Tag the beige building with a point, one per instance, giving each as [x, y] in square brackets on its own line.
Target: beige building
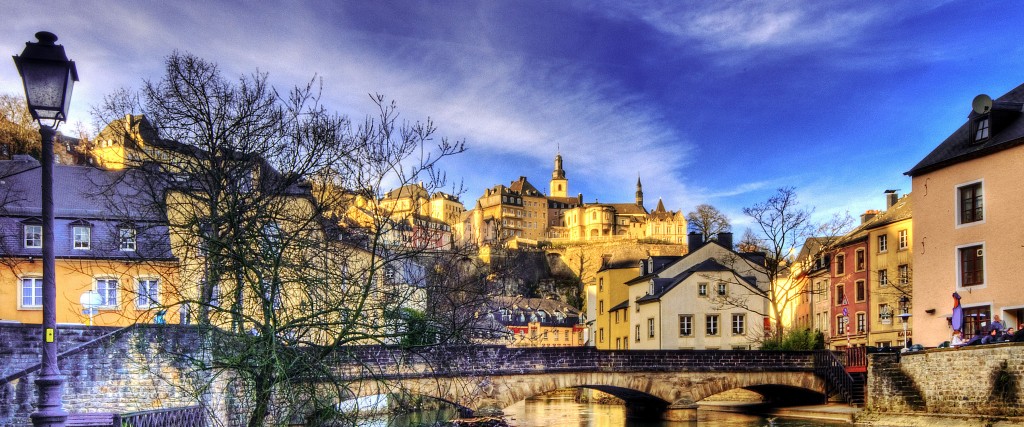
[890, 258]
[700, 301]
[967, 200]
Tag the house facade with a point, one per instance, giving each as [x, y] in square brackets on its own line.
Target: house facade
[123, 256]
[704, 300]
[967, 201]
[890, 256]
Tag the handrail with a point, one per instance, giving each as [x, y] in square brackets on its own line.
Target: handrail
[189, 416]
[827, 366]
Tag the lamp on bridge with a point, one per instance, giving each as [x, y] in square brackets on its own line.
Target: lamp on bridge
[904, 316]
[48, 77]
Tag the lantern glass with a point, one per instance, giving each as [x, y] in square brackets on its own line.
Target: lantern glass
[48, 87]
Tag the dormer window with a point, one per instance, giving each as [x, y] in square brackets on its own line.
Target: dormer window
[981, 128]
[81, 235]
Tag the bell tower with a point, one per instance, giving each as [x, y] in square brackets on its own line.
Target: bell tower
[559, 184]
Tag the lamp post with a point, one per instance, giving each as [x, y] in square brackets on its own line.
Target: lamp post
[48, 76]
[905, 315]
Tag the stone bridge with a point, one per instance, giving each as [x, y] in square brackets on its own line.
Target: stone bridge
[486, 379]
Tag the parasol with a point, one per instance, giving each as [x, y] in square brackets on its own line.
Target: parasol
[958, 313]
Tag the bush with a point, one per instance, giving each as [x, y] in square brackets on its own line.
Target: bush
[799, 339]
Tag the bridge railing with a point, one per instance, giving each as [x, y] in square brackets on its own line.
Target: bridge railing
[837, 380]
[191, 416]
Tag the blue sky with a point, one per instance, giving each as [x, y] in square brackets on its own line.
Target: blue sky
[708, 102]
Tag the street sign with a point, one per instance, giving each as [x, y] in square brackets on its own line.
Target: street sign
[846, 312]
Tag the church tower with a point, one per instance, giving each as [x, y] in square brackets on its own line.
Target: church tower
[639, 192]
[559, 185]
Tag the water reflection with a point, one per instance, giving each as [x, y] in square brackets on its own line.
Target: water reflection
[561, 410]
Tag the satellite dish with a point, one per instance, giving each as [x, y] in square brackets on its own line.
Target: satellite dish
[982, 104]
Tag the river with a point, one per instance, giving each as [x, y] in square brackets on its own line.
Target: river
[561, 410]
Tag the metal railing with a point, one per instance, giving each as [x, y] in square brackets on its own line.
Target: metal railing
[837, 380]
[191, 416]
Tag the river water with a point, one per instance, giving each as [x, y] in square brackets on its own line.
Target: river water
[561, 410]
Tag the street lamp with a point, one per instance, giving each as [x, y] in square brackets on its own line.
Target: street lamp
[905, 315]
[48, 76]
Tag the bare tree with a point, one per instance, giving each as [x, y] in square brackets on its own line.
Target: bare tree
[708, 221]
[781, 225]
[19, 133]
[265, 258]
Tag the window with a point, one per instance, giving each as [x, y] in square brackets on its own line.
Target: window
[904, 274]
[981, 128]
[971, 203]
[840, 264]
[841, 326]
[685, 325]
[566, 335]
[600, 334]
[33, 236]
[972, 265]
[861, 323]
[721, 289]
[600, 284]
[616, 316]
[650, 327]
[702, 289]
[31, 292]
[107, 288]
[637, 334]
[883, 243]
[600, 307]
[739, 324]
[903, 240]
[885, 314]
[148, 293]
[618, 343]
[859, 288]
[126, 237]
[859, 260]
[883, 278]
[711, 324]
[81, 237]
[840, 297]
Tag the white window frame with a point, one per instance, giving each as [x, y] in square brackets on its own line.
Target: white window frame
[650, 327]
[883, 278]
[104, 302]
[127, 239]
[153, 295]
[702, 289]
[883, 243]
[984, 266]
[957, 217]
[686, 325]
[81, 237]
[37, 238]
[712, 325]
[723, 289]
[739, 323]
[36, 280]
[904, 239]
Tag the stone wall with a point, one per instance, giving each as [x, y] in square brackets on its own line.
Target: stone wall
[138, 369]
[977, 380]
[20, 343]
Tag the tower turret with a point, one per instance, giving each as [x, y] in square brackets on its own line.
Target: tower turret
[639, 192]
[559, 184]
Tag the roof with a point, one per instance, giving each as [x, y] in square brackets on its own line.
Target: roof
[958, 148]
[620, 306]
[407, 191]
[662, 286]
[523, 187]
[620, 263]
[627, 208]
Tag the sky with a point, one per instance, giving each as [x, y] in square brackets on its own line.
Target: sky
[717, 102]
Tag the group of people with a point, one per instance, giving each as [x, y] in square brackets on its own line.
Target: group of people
[994, 333]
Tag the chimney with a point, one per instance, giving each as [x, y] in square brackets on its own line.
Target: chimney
[694, 241]
[725, 239]
[867, 215]
[891, 196]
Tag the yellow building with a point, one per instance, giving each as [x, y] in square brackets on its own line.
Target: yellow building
[538, 322]
[126, 259]
[520, 212]
[967, 201]
[611, 321]
[890, 249]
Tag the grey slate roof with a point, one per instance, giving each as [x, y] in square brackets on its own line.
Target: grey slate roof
[958, 147]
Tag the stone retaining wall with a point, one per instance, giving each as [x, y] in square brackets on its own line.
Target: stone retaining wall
[983, 380]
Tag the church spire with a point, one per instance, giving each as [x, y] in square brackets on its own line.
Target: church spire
[639, 192]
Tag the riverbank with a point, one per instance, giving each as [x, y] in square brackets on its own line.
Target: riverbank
[830, 412]
[860, 417]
